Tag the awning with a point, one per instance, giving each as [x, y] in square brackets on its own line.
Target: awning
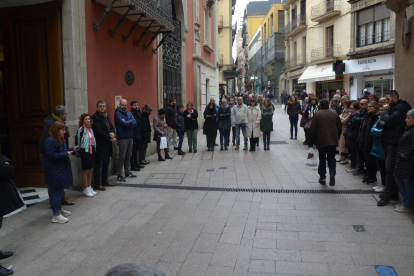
[322, 72]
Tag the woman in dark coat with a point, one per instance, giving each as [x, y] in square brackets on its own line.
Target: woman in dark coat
[10, 200]
[224, 124]
[191, 126]
[179, 127]
[210, 125]
[403, 172]
[58, 171]
[145, 133]
[266, 123]
[293, 111]
[371, 164]
[351, 135]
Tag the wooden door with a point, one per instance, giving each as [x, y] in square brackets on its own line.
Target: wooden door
[32, 37]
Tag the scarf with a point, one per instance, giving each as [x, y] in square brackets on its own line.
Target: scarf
[191, 111]
[105, 119]
[224, 107]
[292, 103]
[312, 110]
[87, 140]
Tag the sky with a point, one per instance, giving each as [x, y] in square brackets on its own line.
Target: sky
[238, 15]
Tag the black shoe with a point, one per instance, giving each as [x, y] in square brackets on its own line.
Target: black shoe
[371, 181]
[141, 166]
[135, 169]
[168, 156]
[195, 151]
[5, 271]
[5, 255]
[305, 143]
[291, 138]
[252, 149]
[322, 181]
[383, 201]
[358, 173]
[145, 161]
[160, 158]
[175, 148]
[332, 180]
[208, 149]
[181, 152]
[190, 150]
[142, 163]
[221, 148]
[296, 138]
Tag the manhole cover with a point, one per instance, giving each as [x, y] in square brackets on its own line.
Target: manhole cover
[359, 228]
[277, 142]
[385, 271]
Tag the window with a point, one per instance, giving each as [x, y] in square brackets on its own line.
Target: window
[207, 27]
[373, 25]
[329, 41]
[280, 21]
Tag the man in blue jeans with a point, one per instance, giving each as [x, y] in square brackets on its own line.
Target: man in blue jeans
[105, 135]
[238, 114]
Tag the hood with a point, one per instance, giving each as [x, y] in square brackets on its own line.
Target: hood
[118, 109]
[49, 119]
[403, 103]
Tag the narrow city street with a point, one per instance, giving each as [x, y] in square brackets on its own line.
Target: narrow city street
[293, 226]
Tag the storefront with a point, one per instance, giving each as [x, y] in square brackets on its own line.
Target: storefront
[375, 74]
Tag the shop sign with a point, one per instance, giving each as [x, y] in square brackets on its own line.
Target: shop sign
[369, 64]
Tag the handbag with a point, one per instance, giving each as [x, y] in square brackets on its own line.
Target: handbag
[157, 136]
[308, 123]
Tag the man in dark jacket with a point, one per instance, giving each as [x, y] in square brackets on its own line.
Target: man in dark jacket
[171, 110]
[124, 123]
[135, 166]
[59, 114]
[104, 133]
[303, 96]
[10, 200]
[393, 122]
[358, 118]
[145, 133]
[324, 132]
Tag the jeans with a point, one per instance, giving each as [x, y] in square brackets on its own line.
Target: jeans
[383, 171]
[390, 185]
[294, 123]
[181, 139]
[211, 140]
[324, 154]
[104, 164]
[407, 190]
[142, 151]
[233, 131]
[224, 137]
[134, 157]
[125, 152]
[354, 157]
[50, 191]
[266, 138]
[57, 200]
[172, 135]
[243, 128]
[192, 138]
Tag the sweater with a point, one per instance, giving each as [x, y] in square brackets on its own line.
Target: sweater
[239, 114]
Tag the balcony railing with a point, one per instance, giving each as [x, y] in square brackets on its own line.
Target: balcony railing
[298, 60]
[220, 60]
[325, 52]
[220, 22]
[295, 24]
[325, 10]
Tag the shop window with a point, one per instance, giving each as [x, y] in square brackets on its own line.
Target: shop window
[373, 25]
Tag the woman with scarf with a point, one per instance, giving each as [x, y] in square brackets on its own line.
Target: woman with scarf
[253, 117]
[191, 126]
[86, 140]
[351, 135]
[310, 111]
[370, 162]
[210, 125]
[224, 124]
[266, 123]
[343, 159]
[293, 111]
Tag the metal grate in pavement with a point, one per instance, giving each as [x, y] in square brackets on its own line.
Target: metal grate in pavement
[359, 228]
[274, 191]
[278, 142]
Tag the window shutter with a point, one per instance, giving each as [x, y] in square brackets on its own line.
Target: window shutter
[381, 12]
[365, 16]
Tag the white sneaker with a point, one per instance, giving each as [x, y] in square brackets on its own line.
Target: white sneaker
[340, 158]
[351, 170]
[92, 191]
[87, 193]
[65, 213]
[59, 219]
[345, 161]
[403, 209]
[376, 187]
[380, 189]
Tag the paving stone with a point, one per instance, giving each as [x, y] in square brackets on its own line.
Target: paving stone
[302, 268]
[195, 264]
[225, 255]
[326, 257]
[275, 255]
[262, 266]
[218, 271]
[206, 243]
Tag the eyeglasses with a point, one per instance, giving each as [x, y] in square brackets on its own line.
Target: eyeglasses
[370, 106]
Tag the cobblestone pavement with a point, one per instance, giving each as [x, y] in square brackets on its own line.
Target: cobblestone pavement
[189, 232]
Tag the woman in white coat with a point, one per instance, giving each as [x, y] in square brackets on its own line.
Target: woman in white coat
[253, 117]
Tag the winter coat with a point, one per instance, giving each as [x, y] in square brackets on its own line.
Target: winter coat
[239, 114]
[224, 117]
[170, 112]
[210, 125]
[145, 127]
[368, 139]
[158, 125]
[377, 148]
[394, 120]
[232, 117]
[357, 121]
[337, 109]
[137, 128]
[179, 122]
[124, 124]
[303, 96]
[351, 132]
[308, 112]
[325, 129]
[191, 123]
[404, 156]
[344, 121]
[101, 132]
[302, 112]
[10, 199]
[253, 117]
[362, 131]
[57, 168]
[293, 110]
[266, 123]
[47, 123]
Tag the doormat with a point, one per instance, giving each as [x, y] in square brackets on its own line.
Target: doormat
[385, 271]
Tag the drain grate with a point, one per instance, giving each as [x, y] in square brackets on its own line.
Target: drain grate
[278, 142]
[359, 228]
[237, 190]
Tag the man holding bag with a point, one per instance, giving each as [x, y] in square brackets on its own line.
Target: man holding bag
[324, 132]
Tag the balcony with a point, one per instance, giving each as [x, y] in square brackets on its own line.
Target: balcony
[220, 22]
[220, 60]
[325, 10]
[295, 61]
[324, 53]
[286, 4]
[295, 26]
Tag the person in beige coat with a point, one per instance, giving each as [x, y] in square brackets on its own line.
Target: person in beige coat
[343, 151]
[253, 117]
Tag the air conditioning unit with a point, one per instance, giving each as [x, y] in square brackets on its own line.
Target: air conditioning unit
[410, 13]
